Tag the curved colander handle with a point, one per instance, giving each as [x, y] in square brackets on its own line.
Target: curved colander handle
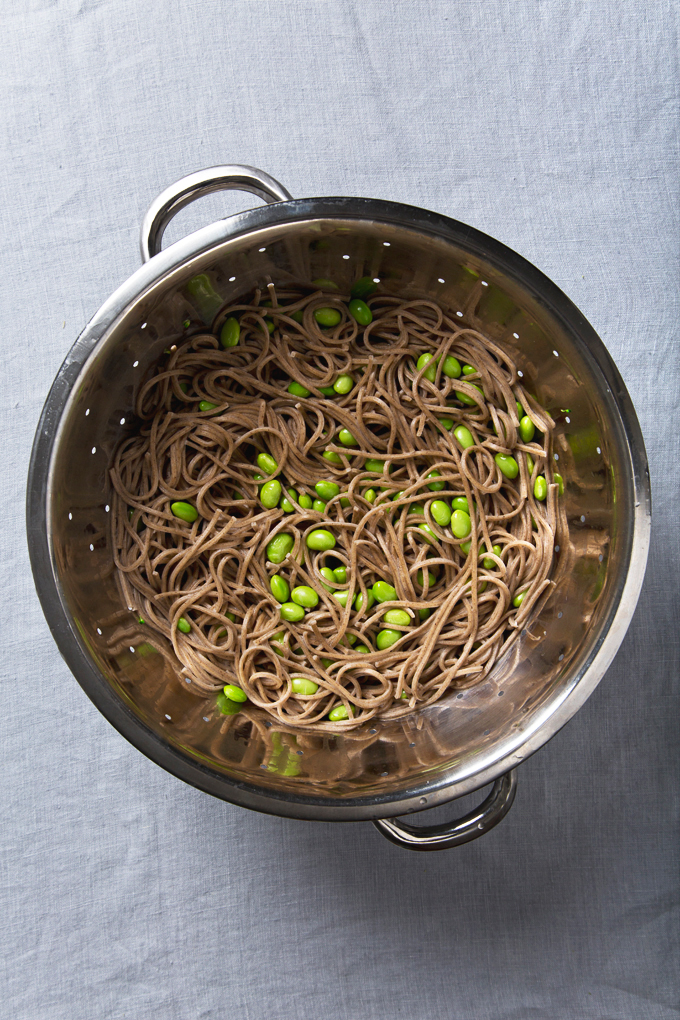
[203, 182]
[472, 825]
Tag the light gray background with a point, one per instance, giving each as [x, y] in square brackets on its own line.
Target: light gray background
[553, 127]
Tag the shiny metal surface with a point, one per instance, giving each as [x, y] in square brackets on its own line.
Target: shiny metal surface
[468, 739]
[463, 830]
[196, 185]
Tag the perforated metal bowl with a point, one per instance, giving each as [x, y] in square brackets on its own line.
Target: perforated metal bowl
[469, 738]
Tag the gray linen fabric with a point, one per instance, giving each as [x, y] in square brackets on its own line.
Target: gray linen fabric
[553, 127]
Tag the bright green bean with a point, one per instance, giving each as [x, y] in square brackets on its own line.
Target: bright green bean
[431, 372]
[464, 436]
[560, 482]
[319, 505]
[266, 463]
[279, 547]
[230, 616]
[183, 625]
[384, 592]
[386, 638]
[374, 465]
[359, 600]
[428, 531]
[362, 649]
[292, 612]
[451, 367]
[269, 323]
[298, 315]
[397, 616]
[339, 712]
[340, 574]
[326, 490]
[530, 464]
[327, 391]
[441, 512]
[487, 562]
[518, 599]
[507, 465]
[446, 423]
[270, 494]
[343, 384]
[279, 587]
[327, 662]
[342, 597]
[301, 685]
[435, 486]
[305, 501]
[297, 389]
[328, 574]
[461, 526]
[360, 311]
[540, 488]
[332, 457]
[321, 539]
[460, 503]
[206, 405]
[346, 438]
[185, 512]
[305, 596]
[527, 429]
[230, 333]
[226, 705]
[466, 399]
[431, 579]
[327, 317]
[370, 495]
[235, 693]
[364, 288]
[469, 369]
[286, 504]
[424, 613]
[465, 547]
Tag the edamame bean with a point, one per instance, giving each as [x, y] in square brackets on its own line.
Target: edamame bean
[342, 597]
[360, 311]
[230, 333]
[520, 410]
[338, 713]
[340, 574]
[278, 639]
[305, 596]
[460, 503]
[507, 465]
[488, 563]
[327, 490]
[465, 547]
[346, 438]
[530, 464]
[441, 512]
[446, 423]
[370, 495]
[359, 600]
[466, 399]
[416, 508]
[351, 639]
[297, 389]
[540, 488]
[292, 612]
[267, 463]
[431, 372]
[286, 504]
[301, 685]
[384, 592]
[279, 547]
[451, 367]
[323, 283]
[397, 616]
[327, 317]
[435, 486]
[386, 638]
[270, 494]
[423, 613]
[560, 483]
[321, 539]
[464, 436]
[364, 288]
[343, 384]
[518, 599]
[183, 625]
[327, 391]
[185, 512]
[326, 663]
[431, 579]
[461, 525]
[184, 387]
[527, 429]
[332, 457]
[298, 315]
[428, 531]
[235, 693]
[469, 370]
[363, 649]
[374, 465]
[328, 574]
[279, 587]
[305, 501]
[206, 405]
[319, 505]
[226, 705]
[269, 323]
[230, 616]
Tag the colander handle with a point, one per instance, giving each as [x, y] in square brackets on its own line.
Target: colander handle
[472, 825]
[203, 182]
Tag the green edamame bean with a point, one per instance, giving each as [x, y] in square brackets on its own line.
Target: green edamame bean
[451, 367]
[270, 494]
[322, 282]
[384, 592]
[527, 429]
[431, 579]
[423, 613]
[461, 525]
[305, 596]
[340, 574]
[297, 389]
[279, 587]
[359, 600]
[327, 490]
[278, 640]
[464, 436]
[370, 495]
[465, 547]
[269, 323]
[319, 505]
[301, 685]
[397, 616]
[327, 391]
[507, 465]
[298, 315]
[327, 317]
[428, 531]
[328, 574]
[540, 488]
[292, 612]
[279, 547]
[386, 638]
[266, 463]
[183, 625]
[321, 539]
[446, 423]
[466, 398]
[363, 649]
[435, 486]
[226, 705]
[520, 410]
[469, 370]
[338, 713]
[343, 384]
[184, 387]
[230, 616]
[305, 501]
[460, 503]
[230, 333]
[346, 438]
[374, 465]
[481, 588]
[235, 693]
[327, 662]
[360, 311]
[332, 457]
[206, 405]
[416, 508]
[441, 512]
[518, 599]
[286, 504]
[185, 512]
[560, 483]
[431, 372]
[351, 639]
[364, 288]
[488, 563]
[342, 597]
[530, 464]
